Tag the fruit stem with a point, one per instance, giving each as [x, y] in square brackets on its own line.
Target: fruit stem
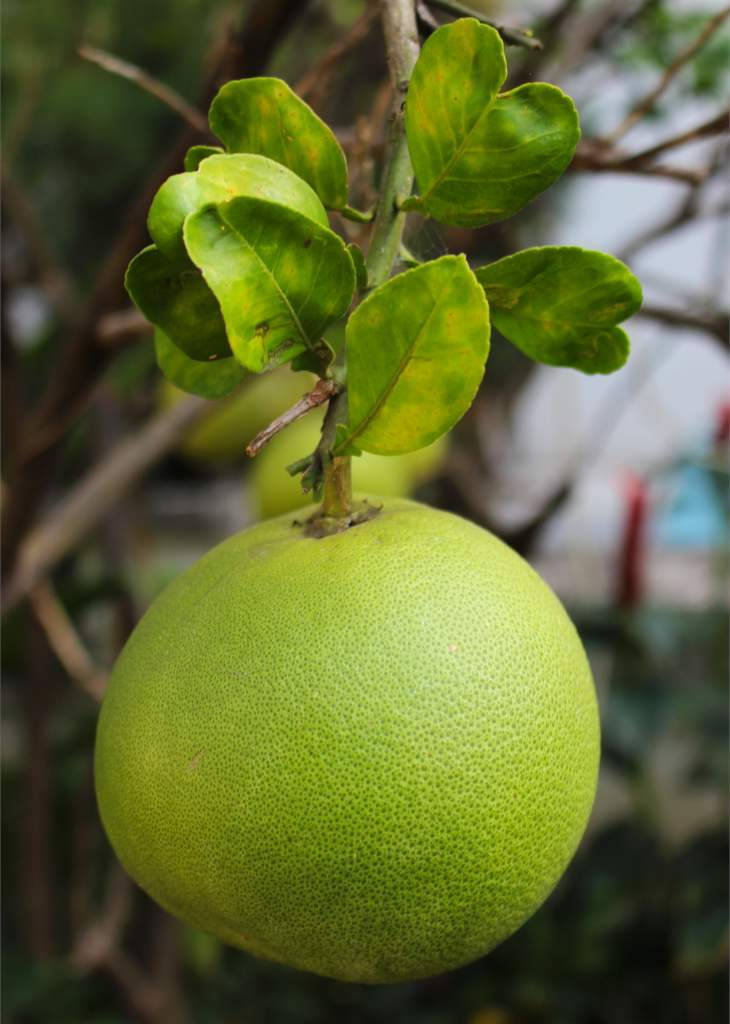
[337, 497]
[337, 494]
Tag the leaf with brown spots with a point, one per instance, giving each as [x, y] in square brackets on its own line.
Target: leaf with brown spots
[560, 305]
[263, 115]
[416, 349]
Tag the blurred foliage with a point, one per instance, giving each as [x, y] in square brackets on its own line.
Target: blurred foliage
[79, 138]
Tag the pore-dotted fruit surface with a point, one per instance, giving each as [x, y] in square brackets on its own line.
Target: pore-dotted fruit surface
[370, 756]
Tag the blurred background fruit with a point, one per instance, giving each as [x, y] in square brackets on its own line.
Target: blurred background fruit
[223, 435]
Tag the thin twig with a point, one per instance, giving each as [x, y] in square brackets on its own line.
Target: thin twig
[98, 948]
[714, 322]
[117, 328]
[322, 391]
[686, 211]
[647, 102]
[592, 156]
[511, 36]
[81, 509]
[116, 66]
[57, 283]
[243, 52]
[714, 126]
[313, 85]
[66, 642]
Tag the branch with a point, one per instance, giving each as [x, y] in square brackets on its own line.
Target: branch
[685, 212]
[57, 283]
[402, 48]
[714, 323]
[322, 391]
[313, 85]
[117, 328]
[714, 126]
[97, 493]
[84, 359]
[511, 36]
[645, 105]
[591, 155]
[65, 641]
[145, 81]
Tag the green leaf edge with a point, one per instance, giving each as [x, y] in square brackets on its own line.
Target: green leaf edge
[337, 202]
[635, 286]
[343, 443]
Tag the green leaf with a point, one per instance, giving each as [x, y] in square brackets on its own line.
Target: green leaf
[361, 271]
[560, 305]
[209, 380]
[173, 296]
[218, 179]
[249, 174]
[416, 349]
[280, 278]
[263, 115]
[479, 157]
[196, 154]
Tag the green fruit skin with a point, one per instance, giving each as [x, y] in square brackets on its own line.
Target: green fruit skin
[276, 492]
[370, 756]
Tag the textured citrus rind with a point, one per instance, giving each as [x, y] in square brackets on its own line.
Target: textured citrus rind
[370, 755]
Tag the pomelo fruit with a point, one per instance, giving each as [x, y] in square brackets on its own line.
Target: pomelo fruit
[369, 755]
[276, 492]
[223, 435]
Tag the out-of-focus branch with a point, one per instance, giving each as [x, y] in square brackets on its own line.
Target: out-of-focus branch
[592, 156]
[93, 497]
[116, 66]
[686, 211]
[714, 126]
[647, 102]
[65, 641]
[98, 947]
[117, 328]
[714, 323]
[313, 85]
[244, 53]
[58, 285]
[511, 36]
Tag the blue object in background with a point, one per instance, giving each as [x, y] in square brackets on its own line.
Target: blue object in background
[694, 513]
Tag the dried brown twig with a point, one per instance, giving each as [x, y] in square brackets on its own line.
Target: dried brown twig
[322, 391]
[116, 66]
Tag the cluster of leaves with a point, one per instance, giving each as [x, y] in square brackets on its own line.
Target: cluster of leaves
[245, 273]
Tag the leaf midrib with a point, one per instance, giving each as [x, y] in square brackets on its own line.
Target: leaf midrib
[298, 324]
[387, 391]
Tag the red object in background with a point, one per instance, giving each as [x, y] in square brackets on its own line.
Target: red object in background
[632, 552]
[722, 427]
